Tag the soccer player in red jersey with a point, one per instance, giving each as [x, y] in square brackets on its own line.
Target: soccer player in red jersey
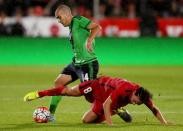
[109, 95]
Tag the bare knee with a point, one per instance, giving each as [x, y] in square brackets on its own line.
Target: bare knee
[62, 80]
[89, 117]
[58, 83]
[86, 121]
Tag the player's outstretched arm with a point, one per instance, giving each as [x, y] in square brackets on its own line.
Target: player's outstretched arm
[95, 29]
[107, 112]
[157, 113]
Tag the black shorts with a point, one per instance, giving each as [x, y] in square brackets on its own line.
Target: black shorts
[84, 72]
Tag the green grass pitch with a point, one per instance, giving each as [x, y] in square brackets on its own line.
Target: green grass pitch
[165, 82]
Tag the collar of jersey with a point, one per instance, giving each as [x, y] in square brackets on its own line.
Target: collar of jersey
[73, 21]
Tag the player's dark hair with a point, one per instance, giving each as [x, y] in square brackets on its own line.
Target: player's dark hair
[144, 94]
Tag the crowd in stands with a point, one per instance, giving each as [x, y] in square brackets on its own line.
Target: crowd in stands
[107, 8]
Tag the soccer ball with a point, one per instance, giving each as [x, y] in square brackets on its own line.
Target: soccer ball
[41, 115]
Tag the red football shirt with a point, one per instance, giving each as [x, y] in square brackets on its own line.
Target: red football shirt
[103, 87]
[120, 91]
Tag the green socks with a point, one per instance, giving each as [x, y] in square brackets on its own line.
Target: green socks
[54, 103]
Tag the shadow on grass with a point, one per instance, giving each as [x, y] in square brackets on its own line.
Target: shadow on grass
[33, 126]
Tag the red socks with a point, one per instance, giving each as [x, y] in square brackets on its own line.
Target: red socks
[52, 92]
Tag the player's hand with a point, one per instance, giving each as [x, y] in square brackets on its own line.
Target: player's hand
[170, 123]
[89, 45]
[109, 123]
[167, 123]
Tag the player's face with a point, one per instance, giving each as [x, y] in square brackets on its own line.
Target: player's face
[135, 99]
[61, 18]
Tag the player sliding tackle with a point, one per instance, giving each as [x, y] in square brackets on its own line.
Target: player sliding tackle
[109, 95]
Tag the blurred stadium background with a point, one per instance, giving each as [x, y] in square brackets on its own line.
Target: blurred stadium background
[141, 40]
[119, 18]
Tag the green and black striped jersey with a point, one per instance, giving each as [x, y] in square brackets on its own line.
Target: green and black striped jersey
[78, 38]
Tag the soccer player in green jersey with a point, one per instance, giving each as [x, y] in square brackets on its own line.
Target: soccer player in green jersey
[84, 65]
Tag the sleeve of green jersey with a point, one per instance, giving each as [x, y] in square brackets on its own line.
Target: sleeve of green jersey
[84, 22]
